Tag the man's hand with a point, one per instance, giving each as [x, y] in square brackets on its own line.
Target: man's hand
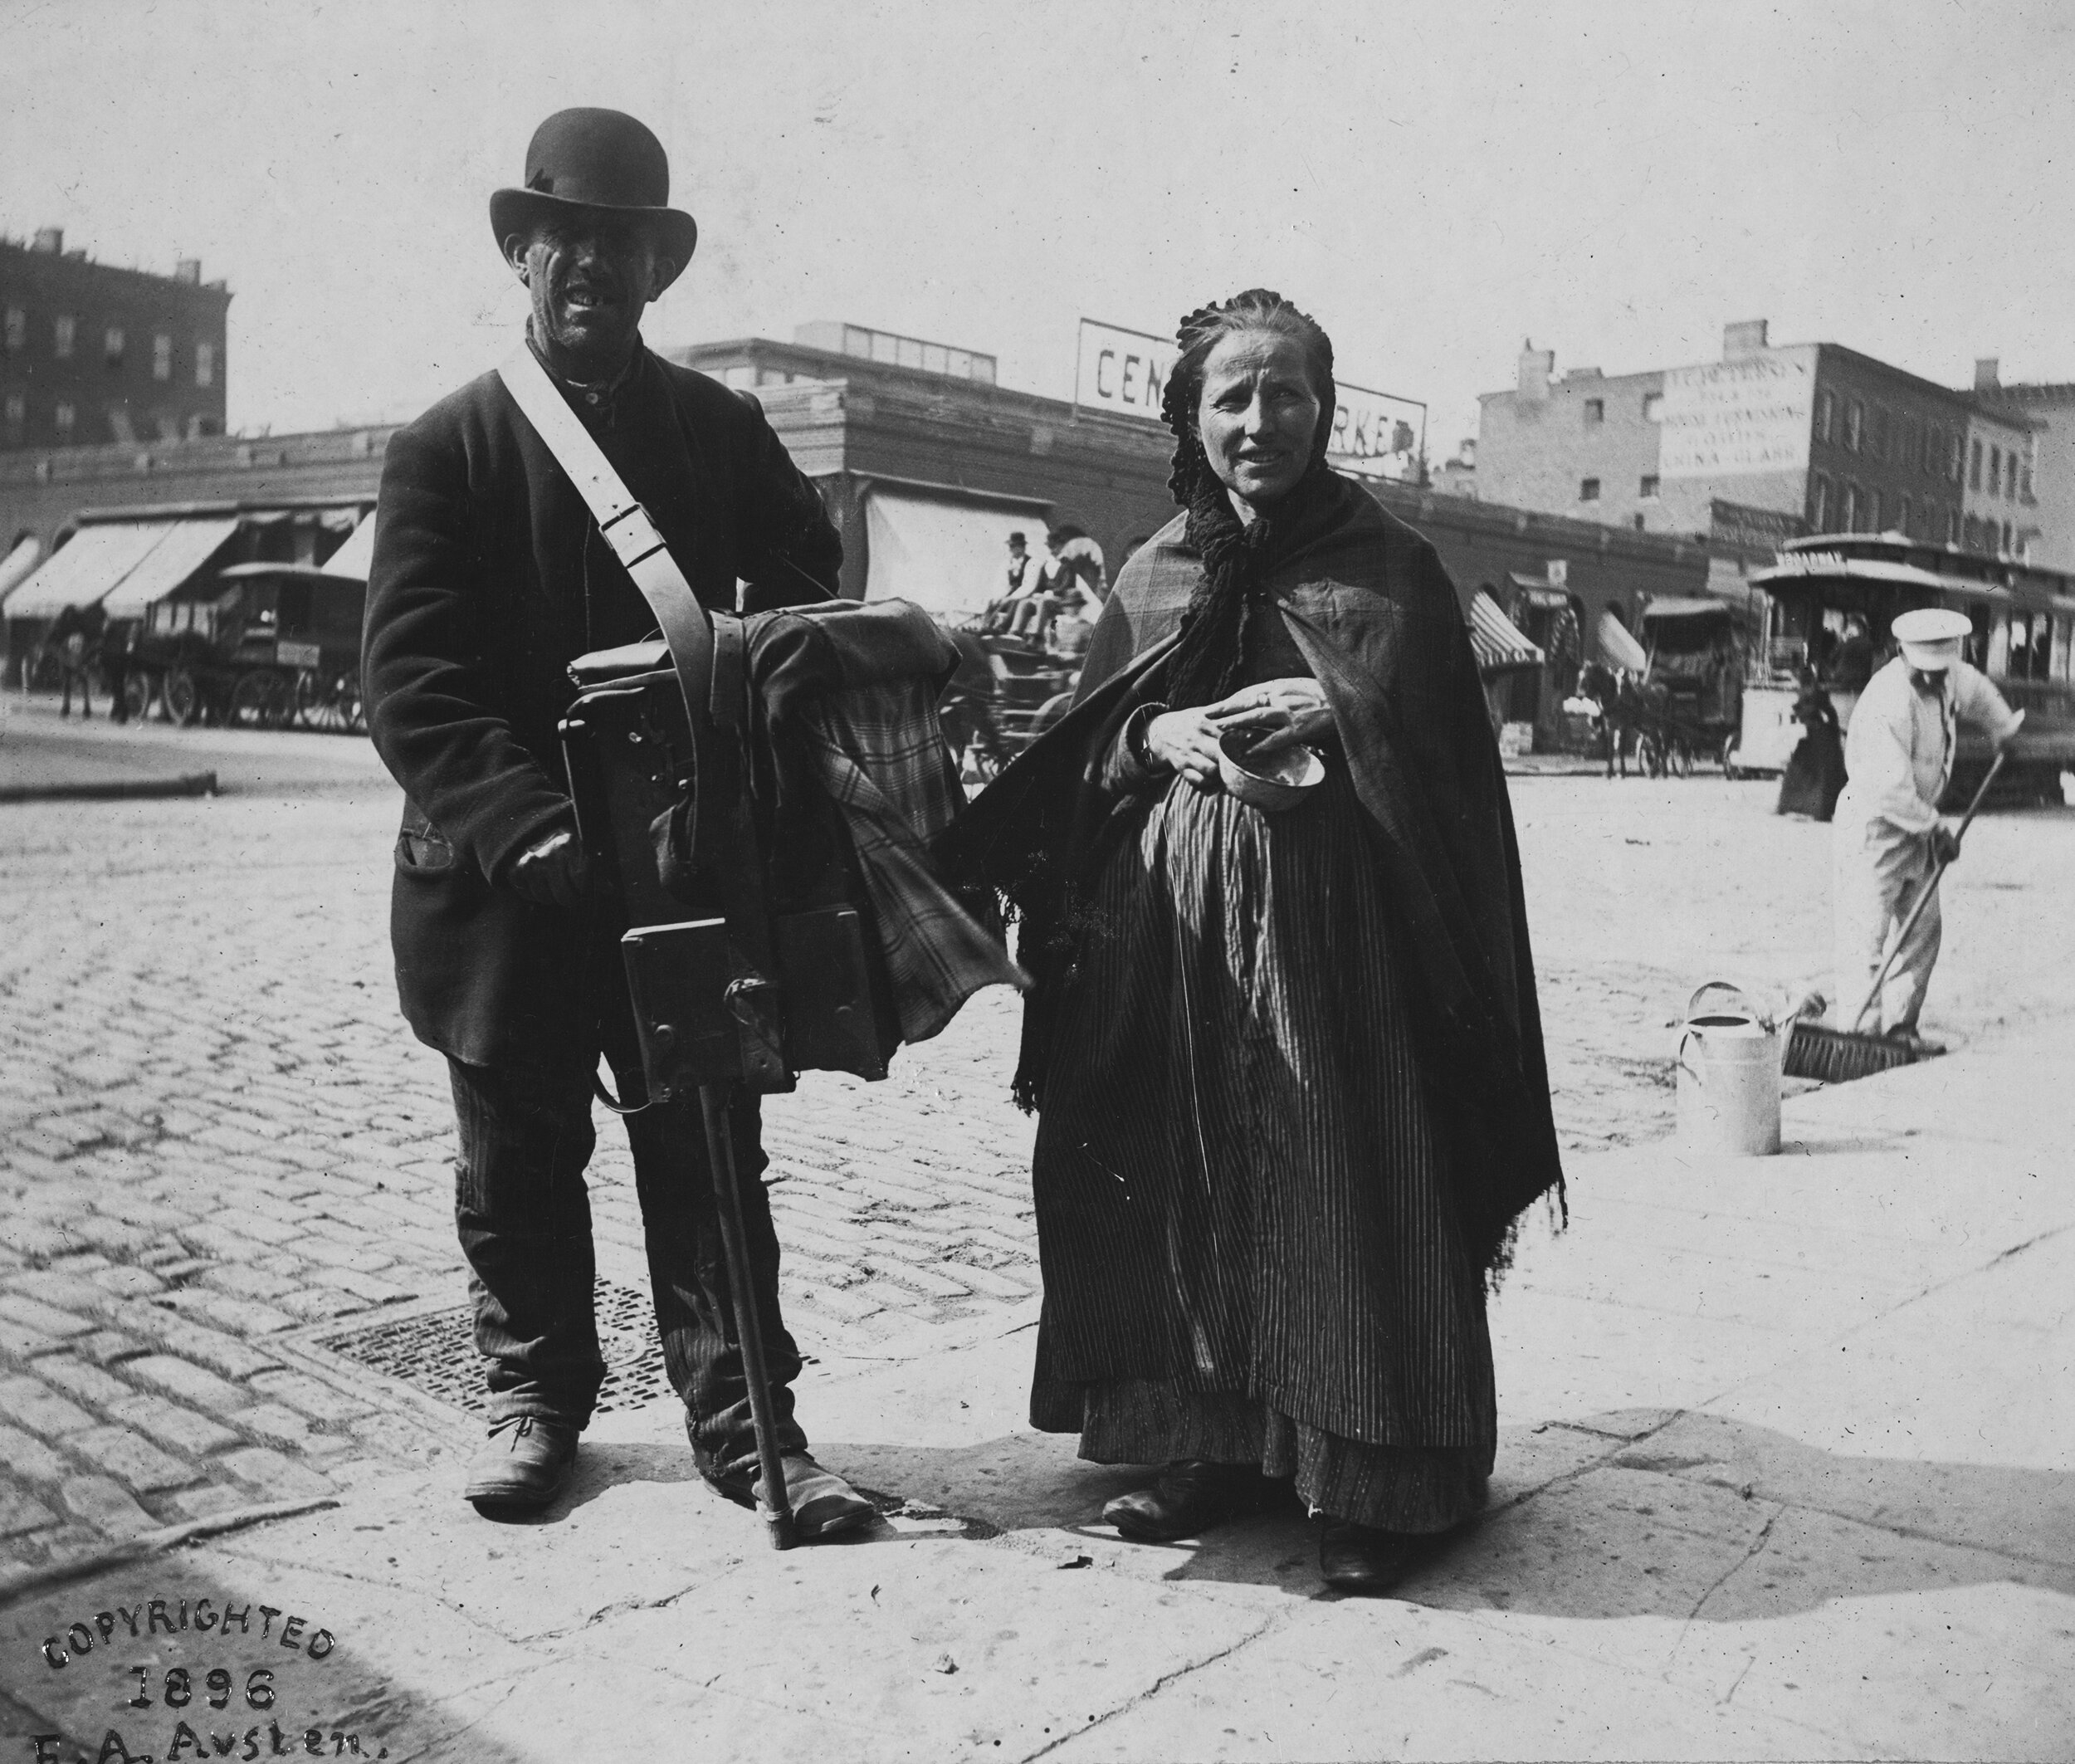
[552, 873]
[1284, 711]
[1945, 844]
[1186, 742]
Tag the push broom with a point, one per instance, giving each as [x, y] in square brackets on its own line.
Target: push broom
[1837, 1056]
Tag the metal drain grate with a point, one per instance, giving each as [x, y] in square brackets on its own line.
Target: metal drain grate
[435, 1352]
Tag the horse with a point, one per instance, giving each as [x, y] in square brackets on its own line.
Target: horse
[1622, 705]
[74, 639]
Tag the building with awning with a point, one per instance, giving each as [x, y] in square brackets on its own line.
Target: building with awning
[1496, 641]
[19, 565]
[84, 571]
[356, 557]
[945, 550]
[125, 561]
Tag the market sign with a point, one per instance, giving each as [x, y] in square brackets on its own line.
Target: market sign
[1377, 436]
[1736, 418]
[1124, 372]
[1121, 371]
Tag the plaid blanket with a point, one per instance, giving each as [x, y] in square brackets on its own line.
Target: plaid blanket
[881, 754]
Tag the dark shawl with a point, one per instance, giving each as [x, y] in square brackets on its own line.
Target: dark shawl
[1392, 653]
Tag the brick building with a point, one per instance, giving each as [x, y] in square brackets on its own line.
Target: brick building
[2043, 495]
[92, 354]
[926, 467]
[1815, 432]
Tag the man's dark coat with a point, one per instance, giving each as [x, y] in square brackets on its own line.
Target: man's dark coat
[489, 577]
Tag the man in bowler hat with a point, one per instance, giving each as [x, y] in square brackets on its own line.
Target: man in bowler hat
[489, 577]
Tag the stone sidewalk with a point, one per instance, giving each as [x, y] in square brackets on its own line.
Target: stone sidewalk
[224, 1183]
[1783, 1474]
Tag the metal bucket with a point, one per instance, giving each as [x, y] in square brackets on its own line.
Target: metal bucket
[1728, 1075]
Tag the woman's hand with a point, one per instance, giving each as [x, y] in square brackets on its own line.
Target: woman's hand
[1186, 742]
[1285, 711]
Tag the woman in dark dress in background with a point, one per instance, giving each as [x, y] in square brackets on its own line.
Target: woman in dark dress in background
[1815, 770]
[1289, 1065]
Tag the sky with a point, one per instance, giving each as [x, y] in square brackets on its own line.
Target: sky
[1435, 183]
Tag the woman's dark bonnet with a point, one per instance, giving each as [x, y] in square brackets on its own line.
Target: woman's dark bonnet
[1207, 655]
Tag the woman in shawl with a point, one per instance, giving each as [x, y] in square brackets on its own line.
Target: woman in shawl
[1288, 1066]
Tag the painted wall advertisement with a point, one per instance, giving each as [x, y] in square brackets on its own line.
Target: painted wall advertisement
[1730, 418]
[1375, 433]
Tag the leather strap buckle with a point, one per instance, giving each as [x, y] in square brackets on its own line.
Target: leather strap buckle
[631, 535]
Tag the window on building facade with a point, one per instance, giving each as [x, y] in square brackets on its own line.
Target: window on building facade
[1854, 425]
[2024, 489]
[1596, 410]
[205, 363]
[1877, 433]
[1974, 467]
[1952, 526]
[1646, 487]
[1902, 515]
[1652, 407]
[65, 417]
[1589, 490]
[1954, 449]
[1995, 471]
[63, 330]
[1849, 513]
[1825, 415]
[162, 357]
[17, 414]
[113, 343]
[17, 330]
[1819, 503]
[2008, 538]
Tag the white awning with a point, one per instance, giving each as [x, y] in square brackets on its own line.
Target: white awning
[186, 546]
[1618, 645]
[79, 573]
[20, 561]
[946, 554]
[1495, 640]
[354, 558]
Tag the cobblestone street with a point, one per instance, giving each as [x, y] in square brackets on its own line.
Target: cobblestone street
[222, 1150]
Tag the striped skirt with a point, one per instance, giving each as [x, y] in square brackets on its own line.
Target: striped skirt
[1241, 1176]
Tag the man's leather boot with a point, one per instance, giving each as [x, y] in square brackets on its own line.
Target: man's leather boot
[524, 1465]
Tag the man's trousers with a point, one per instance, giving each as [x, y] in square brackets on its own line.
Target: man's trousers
[1878, 870]
[524, 1216]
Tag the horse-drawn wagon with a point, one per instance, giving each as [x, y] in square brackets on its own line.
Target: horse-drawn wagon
[263, 645]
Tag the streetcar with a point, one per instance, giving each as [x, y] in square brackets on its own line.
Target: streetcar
[1829, 601]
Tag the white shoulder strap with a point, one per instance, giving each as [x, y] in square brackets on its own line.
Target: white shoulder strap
[687, 630]
[623, 520]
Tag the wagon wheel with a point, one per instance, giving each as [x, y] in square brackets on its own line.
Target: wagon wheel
[353, 709]
[258, 701]
[181, 697]
[315, 706]
[137, 696]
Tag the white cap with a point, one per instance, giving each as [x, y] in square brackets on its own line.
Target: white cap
[1930, 637]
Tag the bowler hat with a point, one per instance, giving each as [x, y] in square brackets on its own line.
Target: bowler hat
[602, 160]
